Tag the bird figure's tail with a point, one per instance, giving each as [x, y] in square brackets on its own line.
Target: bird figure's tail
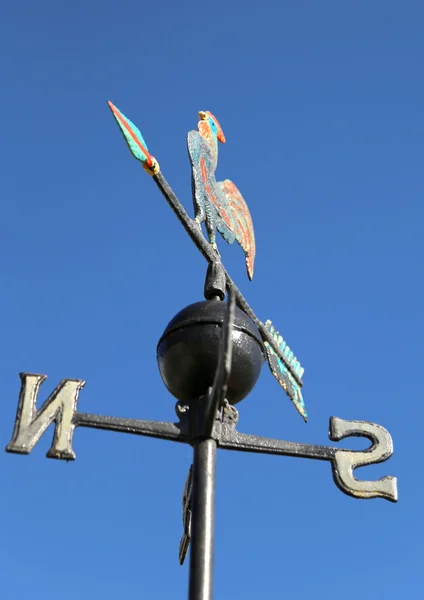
[282, 373]
[240, 220]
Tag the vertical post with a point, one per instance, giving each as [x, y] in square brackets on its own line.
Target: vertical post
[202, 520]
[204, 451]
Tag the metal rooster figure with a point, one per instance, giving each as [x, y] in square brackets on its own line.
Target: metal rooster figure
[221, 207]
[219, 204]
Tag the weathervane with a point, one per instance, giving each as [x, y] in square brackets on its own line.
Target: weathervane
[210, 357]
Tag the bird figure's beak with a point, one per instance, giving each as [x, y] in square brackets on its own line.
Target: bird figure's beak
[203, 115]
[221, 136]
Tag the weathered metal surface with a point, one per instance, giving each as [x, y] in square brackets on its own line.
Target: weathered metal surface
[343, 461]
[30, 423]
[208, 253]
[60, 408]
[219, 391]
[203, 520]
[215, 282]
[175, 432]
[219, 204]
[281, 372]
[189, 349]
[193, 229]
[208, 421]
[135, 141]
[199, 491]
[187, 511]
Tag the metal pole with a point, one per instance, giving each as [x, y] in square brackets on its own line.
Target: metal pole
[202, 521]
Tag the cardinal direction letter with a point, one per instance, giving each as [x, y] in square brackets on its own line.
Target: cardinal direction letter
[30, 423]
[345, 461]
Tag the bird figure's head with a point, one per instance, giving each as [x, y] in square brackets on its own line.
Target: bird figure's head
[212, 124]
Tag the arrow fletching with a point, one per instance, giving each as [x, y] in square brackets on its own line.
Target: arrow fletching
[133, 137]
[282, 373]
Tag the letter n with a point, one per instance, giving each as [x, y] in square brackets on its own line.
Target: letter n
[30, 423]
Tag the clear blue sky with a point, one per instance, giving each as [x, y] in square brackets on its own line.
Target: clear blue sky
[322, 107]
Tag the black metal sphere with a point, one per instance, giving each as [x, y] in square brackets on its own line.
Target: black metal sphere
[188, 351]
